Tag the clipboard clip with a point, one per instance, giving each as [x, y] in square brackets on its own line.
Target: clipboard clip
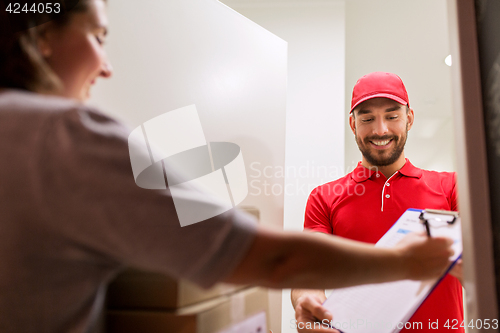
[425, 221]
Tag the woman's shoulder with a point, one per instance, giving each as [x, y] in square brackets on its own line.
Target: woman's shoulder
[34, 107]
[23, 103]
[51, 119]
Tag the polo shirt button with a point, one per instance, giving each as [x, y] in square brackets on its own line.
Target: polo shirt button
[387, 184]
[378, 175]
[387, 196]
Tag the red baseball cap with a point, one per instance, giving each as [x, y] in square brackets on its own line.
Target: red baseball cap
[379, 84]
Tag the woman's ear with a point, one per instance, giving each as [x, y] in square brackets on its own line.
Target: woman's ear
[44, 36]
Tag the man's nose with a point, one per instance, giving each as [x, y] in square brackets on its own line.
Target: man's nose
[380, 128]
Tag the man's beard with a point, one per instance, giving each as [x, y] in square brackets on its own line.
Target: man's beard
[378, 157]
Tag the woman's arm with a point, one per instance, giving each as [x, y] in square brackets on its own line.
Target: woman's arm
[279, 259]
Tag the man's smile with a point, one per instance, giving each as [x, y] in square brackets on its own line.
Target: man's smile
[381, 144]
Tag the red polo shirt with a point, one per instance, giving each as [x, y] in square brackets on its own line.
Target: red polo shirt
[364, 204]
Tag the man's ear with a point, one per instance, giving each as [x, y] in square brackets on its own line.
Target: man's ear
[352, 123]
[45, 34]
[411, 117]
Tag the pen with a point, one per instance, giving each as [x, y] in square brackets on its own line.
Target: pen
[426, 223]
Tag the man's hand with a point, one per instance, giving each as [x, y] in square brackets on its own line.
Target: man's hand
[425, 257]
[309, 311]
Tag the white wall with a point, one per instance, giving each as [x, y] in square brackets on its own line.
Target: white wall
[314, 31]
[169, 54]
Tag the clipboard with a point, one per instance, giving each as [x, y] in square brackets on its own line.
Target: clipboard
[387, 307]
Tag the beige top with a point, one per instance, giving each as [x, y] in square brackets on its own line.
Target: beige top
[72, 217]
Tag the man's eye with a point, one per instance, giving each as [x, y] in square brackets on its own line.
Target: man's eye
[366, 120]
[393, 117]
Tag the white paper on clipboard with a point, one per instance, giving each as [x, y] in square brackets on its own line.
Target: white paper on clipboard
[386, 307]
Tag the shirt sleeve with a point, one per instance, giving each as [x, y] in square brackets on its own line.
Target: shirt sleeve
[90, 197]
[316, 215]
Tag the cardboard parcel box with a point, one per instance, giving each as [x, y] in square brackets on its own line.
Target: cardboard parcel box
[210, 316]
[135, 289]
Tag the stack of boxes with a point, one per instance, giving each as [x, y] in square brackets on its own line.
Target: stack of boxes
[140, 302]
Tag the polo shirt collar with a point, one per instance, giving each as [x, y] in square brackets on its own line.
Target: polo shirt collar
[360, 174]
[409, 170]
